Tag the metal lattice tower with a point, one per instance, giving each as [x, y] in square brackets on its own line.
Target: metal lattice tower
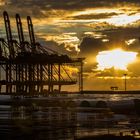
[28, 68]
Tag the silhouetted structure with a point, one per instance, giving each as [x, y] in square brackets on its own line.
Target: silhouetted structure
[27, 67]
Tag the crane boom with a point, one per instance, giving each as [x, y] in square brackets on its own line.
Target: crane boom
[31, 32]
[9, 34]
[20, 29]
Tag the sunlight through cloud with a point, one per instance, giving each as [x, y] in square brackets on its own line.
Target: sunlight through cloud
[118, 59]
[123, 19]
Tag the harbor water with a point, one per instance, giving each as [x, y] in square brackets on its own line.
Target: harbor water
[67, 117]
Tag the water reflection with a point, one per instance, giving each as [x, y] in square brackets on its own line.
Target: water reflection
[38, 123]
[62, 119]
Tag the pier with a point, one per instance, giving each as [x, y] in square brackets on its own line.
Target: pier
[28, 68]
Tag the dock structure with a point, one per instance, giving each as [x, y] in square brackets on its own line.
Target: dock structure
[30, 68]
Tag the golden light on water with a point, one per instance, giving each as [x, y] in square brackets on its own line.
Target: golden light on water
[118, 59]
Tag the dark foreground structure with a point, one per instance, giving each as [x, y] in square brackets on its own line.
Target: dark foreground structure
[108, 137]
[28, 67]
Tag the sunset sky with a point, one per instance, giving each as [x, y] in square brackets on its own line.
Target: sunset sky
[105, 32]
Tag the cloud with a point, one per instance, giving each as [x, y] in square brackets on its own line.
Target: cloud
[36, 8]
[89, 48]
[111, 73]
[89, 25]
[91, 45]
[94, 16]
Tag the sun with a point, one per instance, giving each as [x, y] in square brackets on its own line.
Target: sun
[117, 58]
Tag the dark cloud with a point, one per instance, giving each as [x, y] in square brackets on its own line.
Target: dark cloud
[135, 46]
[35, 7]
[123, 33]
[90, 45]
[70, 4]
[95, 16]
[118, 38]
[89, 48]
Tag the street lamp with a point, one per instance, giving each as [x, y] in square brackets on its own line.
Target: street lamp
[125, 81]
